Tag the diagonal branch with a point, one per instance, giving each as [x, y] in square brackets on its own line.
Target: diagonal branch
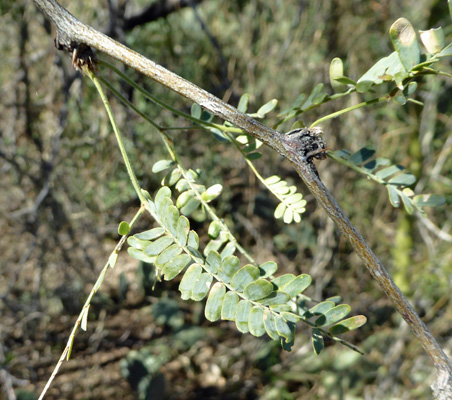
[72, 33]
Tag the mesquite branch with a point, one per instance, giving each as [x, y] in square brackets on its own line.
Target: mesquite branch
[71, 33]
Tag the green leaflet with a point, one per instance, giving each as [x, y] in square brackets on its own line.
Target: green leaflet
[213, 262]
[229, 307]
[258, 290]
[256, 321]
[393, 177]
[182, 230]
[283, 329]
[242, 315]
[188, 281]
[214, 302]
[229, 266]
[317, 341]
[155, 248]
[292, 285]
[175, 266]
[167, 255]
[270, 325]
[333, 315]
[276, 297]
[268, 268]
[245, 275]
[348, 325]
[202, 286]
[139, 255]
[150, 234]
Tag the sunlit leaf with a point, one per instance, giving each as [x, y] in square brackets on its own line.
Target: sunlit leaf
[405, 179]
[270, 325]
[229, 266]
[386, 172]
[429, 200]
[433, 40]
[257, 290]
[167, 255]
[276, 297]
[202, 286]
[162, 165]
[188, 280]
[268, 268]
[175, 266]
[393, 196]
[405, 42]
[215, 301]
[229, 307]
[242, 315]
[336, 71]
[182, 230]
[256, 321]
[245, 275]
[283, 329]
[123, 228]
[348, 325]
[139, 255]
[155, 248]
[150, 234]
[243, 103]
[333, 315]
[267, 107]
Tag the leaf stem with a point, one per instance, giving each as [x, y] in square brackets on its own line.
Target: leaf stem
[84, 313]
[118, 136]
[346, 110]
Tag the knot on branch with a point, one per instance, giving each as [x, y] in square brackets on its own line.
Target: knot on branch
[82, 55]
[307, 144]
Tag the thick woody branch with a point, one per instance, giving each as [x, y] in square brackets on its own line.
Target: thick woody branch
[73, 33]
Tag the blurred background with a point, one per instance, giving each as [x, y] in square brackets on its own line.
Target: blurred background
[64, 190]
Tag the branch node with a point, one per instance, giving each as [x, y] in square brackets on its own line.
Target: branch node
[308, 144]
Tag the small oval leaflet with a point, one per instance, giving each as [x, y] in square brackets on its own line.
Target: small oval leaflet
[276, 297]
[167, 255]
[213, 262]
[182, 230]
[242, 316]
[155, 248]
[214, 302]
[123, 228]
[258, 290]
[270, 325]
[229, 307]
[175, 266]
[268, 268]
[150, 234]
[189, 279]
[201, 287]
[333, 315]
[245, 275]
[229, 267]
[348, 325]
[256, 321]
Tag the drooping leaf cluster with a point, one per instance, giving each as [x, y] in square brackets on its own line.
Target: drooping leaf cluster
[249, 295]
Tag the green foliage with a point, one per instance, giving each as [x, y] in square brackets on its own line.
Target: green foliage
[240, 294]
[392, 176]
